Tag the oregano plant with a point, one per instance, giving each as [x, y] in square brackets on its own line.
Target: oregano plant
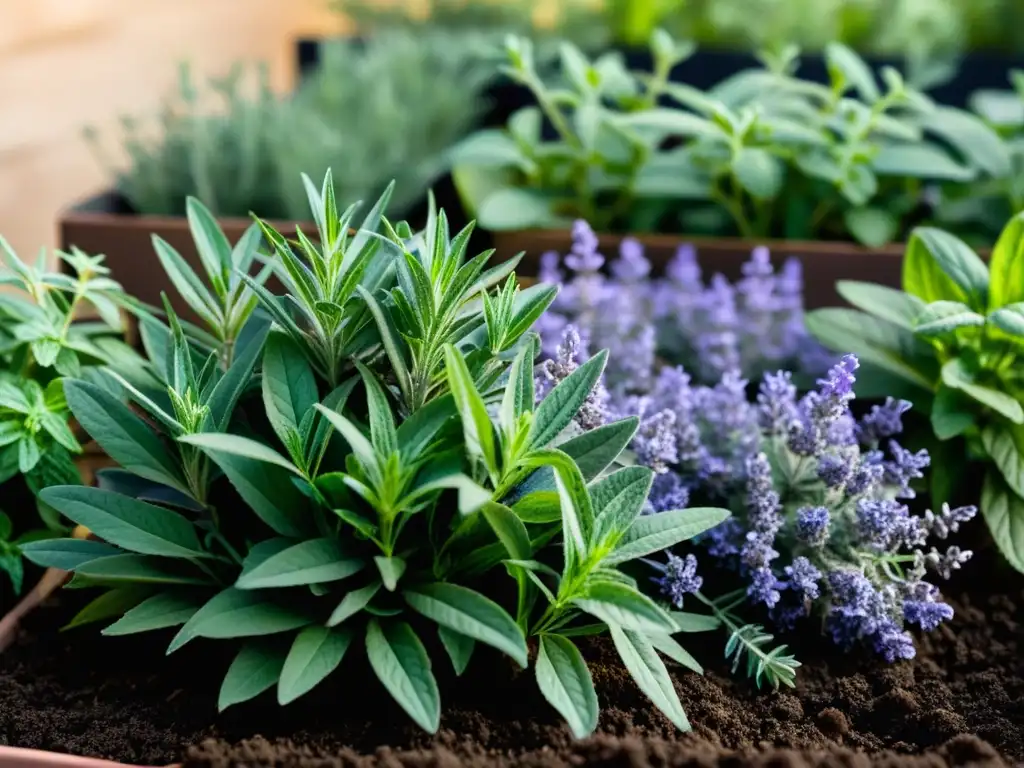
[364, 468]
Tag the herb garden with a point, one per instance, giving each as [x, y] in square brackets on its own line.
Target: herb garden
[609, 419]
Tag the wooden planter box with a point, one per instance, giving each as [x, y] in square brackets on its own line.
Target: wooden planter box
[107, 224]
[823, 262]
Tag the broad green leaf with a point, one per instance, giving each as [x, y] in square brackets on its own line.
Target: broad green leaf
[667, 645]
[956, 375]
[654, 533]
[187, 283]
[316, 652]
[509, 529]
[940, 267]
[66, 554]
[268, 490]
[132, 525]
[618, 500]
[140, 569]
[877, 341]
[111, 603]
[255, 669]
[401, 663]
[471, 614]
[229, 389]
[1010, 319]
[562, 403]
[471, 494]
[361, 447]
[239, 613]
[941, 317]
[694, 622]
[382, 422]
[758, 172]
[124, 437]
[489, 148]
[314, 561]
[418, 431]
[853, 70]
[621, 605]
[952, 413]
[289, 385]
[922, 160]
[577, 510]
[354, 602]
[873, 227]
[458, 647]
[215, 443]
[514, 208]
[211, 244]
[650, 674]
[1006, 266]
[565, 681]
[539, 506]
[162, 610]
[476, 423]
[890, 304]
[1004, 512]
[972, 138]
[519, 391]
[595, 450]
[1003, 444]
[391, 570]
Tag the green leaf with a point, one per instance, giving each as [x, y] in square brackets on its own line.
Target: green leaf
[956, 375]
[132, 525]
[873, 227]
[654, 533]
[1006, 266]
[596, 449]
[238, 613]
[162, 610]
[621, 605]
[650, 674]
[111, 603]
[476, 423]
[401, 663]
[489, 148]
[215, 443]
[972, 138]
[667, 645]
[514, 208]
[1004, 512]
[519, 391]
[418, 431]
[940, 267]
[577, 510]
[889, 304]
[268, 490]
[458, 647]
[124, 437]
[853, 70]
[353, 603]
[361, 447]
[382, 422]
[187, 283]
[941, 317]
[919, 161]
[565, 681]
[391, 570]
[391, 347]
[315, 561]
[316, 652]
[877, 341]
[618, 500]
[1009, 319]
[952, 413]
[211, 244]
[229, 389]
[1003, 444]
[139, 569]
[694, 622]
[289, 385]
[539, 506]
[65, 554]
[255, 669]
[471, 614]
[509, 529]
[758, 172]
[562, 403]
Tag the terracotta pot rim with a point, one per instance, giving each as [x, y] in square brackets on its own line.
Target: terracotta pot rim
[19, 757]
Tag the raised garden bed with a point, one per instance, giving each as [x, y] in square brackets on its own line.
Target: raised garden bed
[961, 701]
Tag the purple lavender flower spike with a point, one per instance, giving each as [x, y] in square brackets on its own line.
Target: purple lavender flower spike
[904, 468]
[834, 470]
[921, 607]
[655, 441]
[584, 256]
[948, 520]
[883, 421]
[667, 493]
[776, 403]
[683, 270]
[803, 577]
[631, 266]
[812, 526]
[679, 578]
[549, 268]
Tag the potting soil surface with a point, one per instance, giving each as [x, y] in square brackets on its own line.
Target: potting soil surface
[960, 701]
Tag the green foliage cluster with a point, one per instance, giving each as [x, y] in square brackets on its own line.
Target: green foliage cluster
[955, 337]
[39, 344]
[363, 460]
[373, 110]
[762, 154]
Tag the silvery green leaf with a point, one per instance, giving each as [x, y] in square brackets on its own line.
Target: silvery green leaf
[650, 673]
[956, 374]
[694, 622]
[476, 422]
[238, 613]
[391, 570]
[618, 500]
[972, 138]
[314, 561]
[940, 317]
[289, 385]
[141, 569]
[565, 681]
[354, 602]
[1006, 266]
[654, 533]
[1003, 511]
[400, 662]
[458, 647]
[870, 226]
[883, 302]
[668, 646]
[920, 161]
[162, 610]
[596, 449]
[315, 653]
[211, 244]
[1009, 319]
[513, 208]
[216, 443]
[854, 69]
[561, 404]
[1003, 443]
[953, 413]
[255, 669]
[65, 554]
[758, 172]
[491, 148]
[620, 605]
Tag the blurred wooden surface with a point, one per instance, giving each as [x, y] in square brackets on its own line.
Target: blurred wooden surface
[65, 64]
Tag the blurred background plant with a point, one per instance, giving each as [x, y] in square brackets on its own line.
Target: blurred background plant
[375, 110]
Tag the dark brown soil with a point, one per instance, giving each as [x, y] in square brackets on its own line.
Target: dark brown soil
[961, 701]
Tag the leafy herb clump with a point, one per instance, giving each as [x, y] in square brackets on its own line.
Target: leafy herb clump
[39, 343]
[365, 468]
[762, 154]
[952, 338]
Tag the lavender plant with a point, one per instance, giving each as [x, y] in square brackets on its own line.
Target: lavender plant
[754, 325]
